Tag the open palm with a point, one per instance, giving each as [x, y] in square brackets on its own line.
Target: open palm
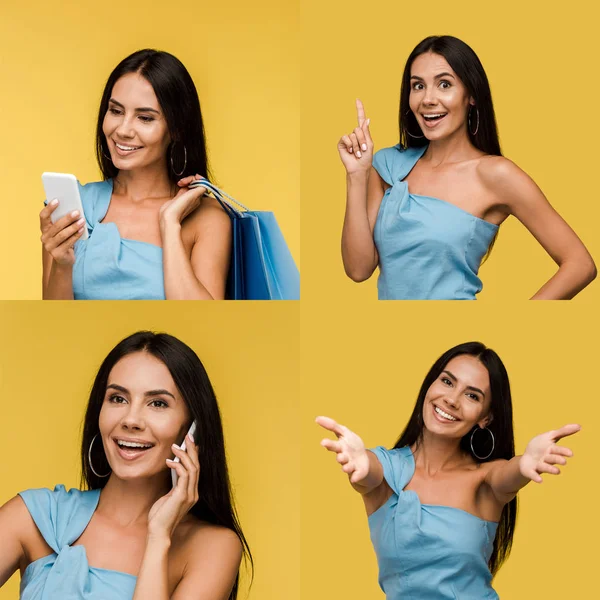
[543, 454]
[349, 448]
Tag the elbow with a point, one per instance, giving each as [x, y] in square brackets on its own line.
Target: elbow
[358, 275]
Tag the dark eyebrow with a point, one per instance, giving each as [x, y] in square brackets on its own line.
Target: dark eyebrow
[439, 76]
[120, 388]
[142, 109]
[469, 387]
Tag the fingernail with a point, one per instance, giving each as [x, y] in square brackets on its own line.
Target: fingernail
[350, 149]
[54, 202]
[368, 121]
[169, 460]
[358, 154]
[75, 213]
[81, 221]
[364, 147]
[176, 446]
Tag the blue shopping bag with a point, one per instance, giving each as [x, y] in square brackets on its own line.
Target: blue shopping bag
[261, 267]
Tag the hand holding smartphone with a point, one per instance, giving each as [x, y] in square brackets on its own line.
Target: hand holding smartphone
[191, 432]
[64, 188]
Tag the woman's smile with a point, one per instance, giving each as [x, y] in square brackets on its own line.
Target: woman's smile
[125, 149]
[442, 416]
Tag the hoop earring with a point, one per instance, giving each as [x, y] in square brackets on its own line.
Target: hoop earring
[90, 460]
[184, 162]
[417, 137]
[473, 133]
[493, 443]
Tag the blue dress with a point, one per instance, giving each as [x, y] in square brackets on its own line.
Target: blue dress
[61, 517]
[426, 551]
[108, 267]
[429, 249]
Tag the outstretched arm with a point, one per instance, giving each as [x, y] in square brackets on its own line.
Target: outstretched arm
[362, 467]
[542, 454]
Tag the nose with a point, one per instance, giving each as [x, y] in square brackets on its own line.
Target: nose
[451, 400]
[133, 420]
[125, 128]
[430, 98]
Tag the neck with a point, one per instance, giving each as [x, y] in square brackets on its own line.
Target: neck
[143, 183]
[454, 148]
[434, 452]
[129, 502]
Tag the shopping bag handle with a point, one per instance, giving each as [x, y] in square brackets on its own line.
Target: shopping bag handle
[226, 201]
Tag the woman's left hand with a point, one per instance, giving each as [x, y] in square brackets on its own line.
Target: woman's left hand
[542, 453]
[168, 511]
[186, 201]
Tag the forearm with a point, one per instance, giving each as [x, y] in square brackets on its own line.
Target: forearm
[359, 253]
[153, 578]
[569, 280]
[373, 479]
[506, 479]
[180, 281]
[60, 283]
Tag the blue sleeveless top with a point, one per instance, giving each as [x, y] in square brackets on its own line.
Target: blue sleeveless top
[61, 517]
[429, 249]
[108, 267]
[426, 551]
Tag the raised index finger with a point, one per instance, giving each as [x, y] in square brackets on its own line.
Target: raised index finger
[566, 430]
[360, 112]
[330, 425]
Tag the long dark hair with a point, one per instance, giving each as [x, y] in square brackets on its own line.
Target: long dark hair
[178, 99]
[501, 426]
[466, 64]
[215, 504]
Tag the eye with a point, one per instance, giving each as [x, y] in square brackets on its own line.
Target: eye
[446, 381]
[116, 399]
[473, 396]
[146, 119]
[444, 84]
[159, 404]
[417, 86]
[114, 111]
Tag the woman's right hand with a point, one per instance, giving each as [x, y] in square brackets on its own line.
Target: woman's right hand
[356, 148]
[59, 238]
[349, 448]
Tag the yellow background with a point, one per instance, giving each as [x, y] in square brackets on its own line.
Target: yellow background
[57, 56]
[366, 373]
[48, 360]
[542, 66]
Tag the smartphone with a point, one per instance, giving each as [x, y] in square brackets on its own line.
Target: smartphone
[65, 189]
[191, 432]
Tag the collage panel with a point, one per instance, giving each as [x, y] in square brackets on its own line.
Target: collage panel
[125, 112]
[495, 180]
[432, 394]
[106, 401]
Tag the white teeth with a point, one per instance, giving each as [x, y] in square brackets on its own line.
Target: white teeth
[126, 147]
[444, 414]
[125, 444]
[434, 116]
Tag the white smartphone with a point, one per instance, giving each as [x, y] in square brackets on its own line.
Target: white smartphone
[64, 188]
[191, 432]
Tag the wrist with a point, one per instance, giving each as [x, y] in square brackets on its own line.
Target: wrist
[169, 225]
[357, 178]
[158, 540]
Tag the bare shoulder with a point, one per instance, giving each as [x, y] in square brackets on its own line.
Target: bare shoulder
[507, 181]
[210, 216]
[200, 540]
[14, 514]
